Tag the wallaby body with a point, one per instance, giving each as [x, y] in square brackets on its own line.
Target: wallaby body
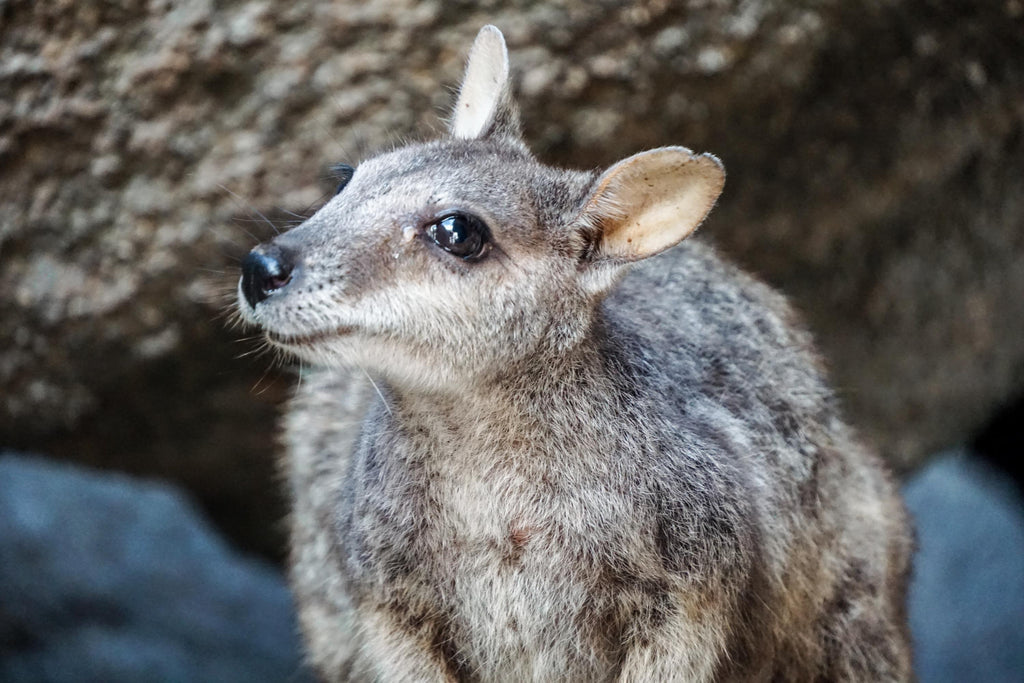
[536, 471]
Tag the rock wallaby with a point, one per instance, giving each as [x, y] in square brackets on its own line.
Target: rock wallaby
[529, 448]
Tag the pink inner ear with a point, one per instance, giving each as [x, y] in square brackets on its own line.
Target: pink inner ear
[653, 200]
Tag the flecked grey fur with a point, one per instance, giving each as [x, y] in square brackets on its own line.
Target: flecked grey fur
[535, 466]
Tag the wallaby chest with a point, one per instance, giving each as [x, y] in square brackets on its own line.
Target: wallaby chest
[509, 550]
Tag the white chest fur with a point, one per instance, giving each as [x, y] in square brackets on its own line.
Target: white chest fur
[528, 582]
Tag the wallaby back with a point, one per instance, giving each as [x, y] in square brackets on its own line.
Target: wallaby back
[523, 457]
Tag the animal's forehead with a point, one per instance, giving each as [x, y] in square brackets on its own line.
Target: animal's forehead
[439, 173]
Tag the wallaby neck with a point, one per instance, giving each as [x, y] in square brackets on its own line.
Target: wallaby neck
[546, 397]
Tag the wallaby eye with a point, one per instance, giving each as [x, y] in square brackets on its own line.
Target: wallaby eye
[343, 174]
[462, 234]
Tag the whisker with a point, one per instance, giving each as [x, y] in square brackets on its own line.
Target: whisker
[377, 389]
[238, 201]
[300, 217]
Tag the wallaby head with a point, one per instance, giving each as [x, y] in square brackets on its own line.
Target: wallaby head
[438, 264]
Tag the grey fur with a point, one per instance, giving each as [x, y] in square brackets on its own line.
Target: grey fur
[537, 466]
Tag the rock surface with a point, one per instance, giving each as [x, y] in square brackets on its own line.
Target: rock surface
[875, 153]
[110, 579]
[967, 596]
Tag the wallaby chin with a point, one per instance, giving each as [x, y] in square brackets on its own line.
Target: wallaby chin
[530, 450]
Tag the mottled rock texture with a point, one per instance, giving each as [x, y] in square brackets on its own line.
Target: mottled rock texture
[875, 153]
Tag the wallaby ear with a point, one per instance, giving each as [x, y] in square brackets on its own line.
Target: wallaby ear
[651, 201]
[485, 106]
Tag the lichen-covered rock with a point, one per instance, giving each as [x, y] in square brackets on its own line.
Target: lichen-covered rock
[875, 152]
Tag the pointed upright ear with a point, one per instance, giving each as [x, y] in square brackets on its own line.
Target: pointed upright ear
[485, 106]
[651, 201]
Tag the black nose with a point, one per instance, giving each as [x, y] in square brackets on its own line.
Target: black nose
[266, 269]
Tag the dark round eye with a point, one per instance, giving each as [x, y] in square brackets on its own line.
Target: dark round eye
[462, 234]
[342, 173]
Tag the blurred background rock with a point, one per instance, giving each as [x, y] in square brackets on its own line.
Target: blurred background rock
[875, 153]
[108, 579]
